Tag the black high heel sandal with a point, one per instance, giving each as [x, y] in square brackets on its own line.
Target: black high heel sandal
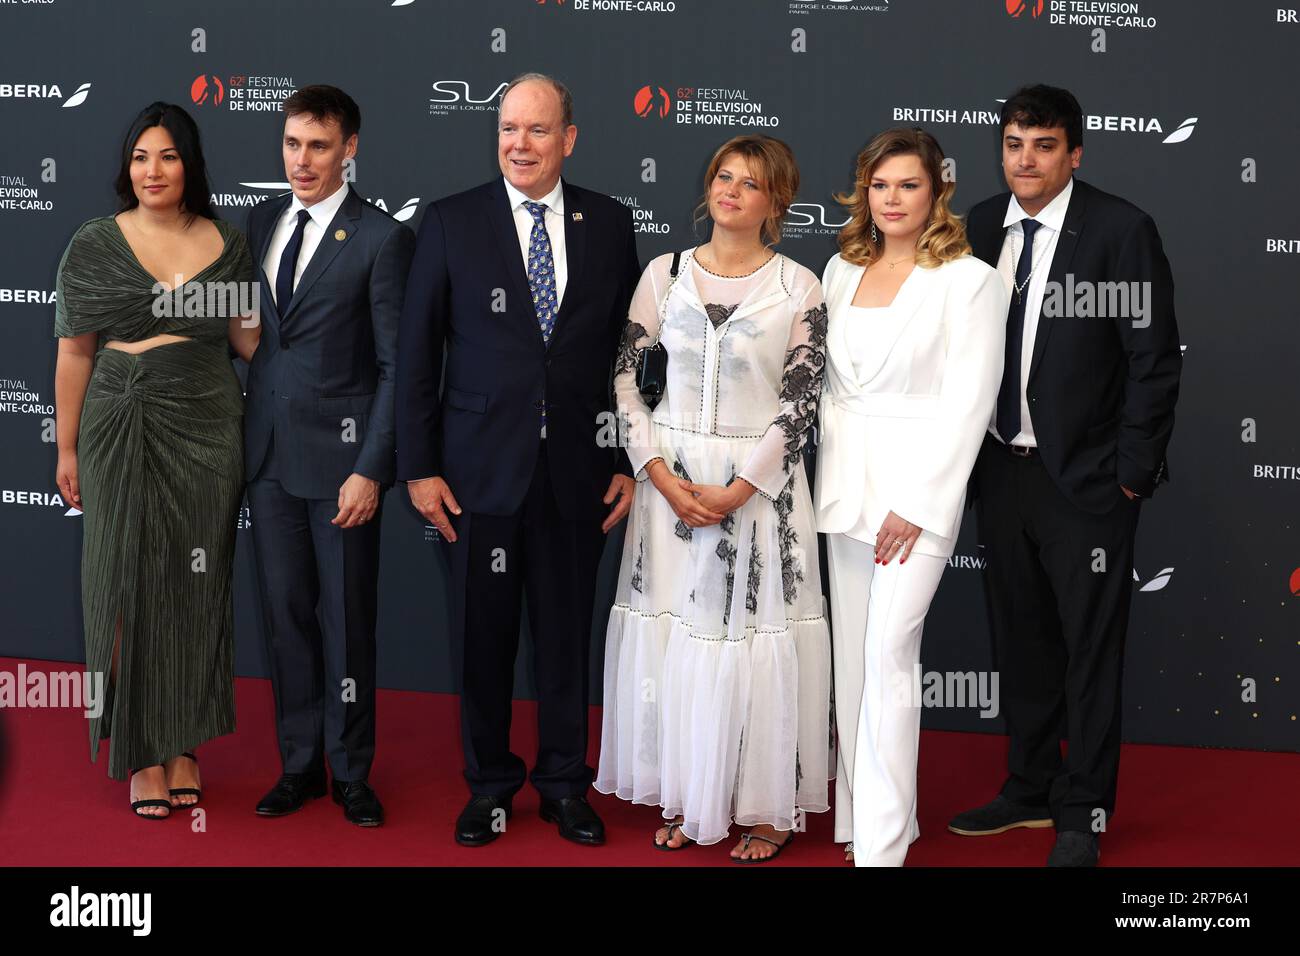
[152, 802]
[178, 791]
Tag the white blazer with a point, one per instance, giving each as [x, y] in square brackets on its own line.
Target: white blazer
[903, 436]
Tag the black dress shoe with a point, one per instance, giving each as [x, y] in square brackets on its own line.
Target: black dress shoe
[998, 816]
[290, 792]
[482, 820]
[1075, 848]
[360, 805]
[578, 821]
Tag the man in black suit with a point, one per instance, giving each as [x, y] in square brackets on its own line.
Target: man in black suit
[1077, 440]
[319, 437]
[526, 281]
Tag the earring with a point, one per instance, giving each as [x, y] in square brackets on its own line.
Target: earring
[875, 236]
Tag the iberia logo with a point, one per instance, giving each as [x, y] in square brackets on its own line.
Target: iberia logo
[1016, 7]
[652, 99]
[207, 89]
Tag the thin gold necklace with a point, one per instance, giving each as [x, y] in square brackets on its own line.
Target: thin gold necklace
[897, 261]
[742, 276]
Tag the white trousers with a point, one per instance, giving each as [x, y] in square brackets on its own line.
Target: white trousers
[877, 614]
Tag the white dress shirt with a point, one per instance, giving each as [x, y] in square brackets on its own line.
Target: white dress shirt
[1050, 219]
[860, 336]
[322, 214]
[552, 219]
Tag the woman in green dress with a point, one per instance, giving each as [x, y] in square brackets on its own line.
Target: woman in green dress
[149, 414]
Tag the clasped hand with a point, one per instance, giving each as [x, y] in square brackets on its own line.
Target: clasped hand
[699, 505]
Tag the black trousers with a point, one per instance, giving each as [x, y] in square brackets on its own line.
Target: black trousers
[1059, 584]
[319, 588]
[495, 562]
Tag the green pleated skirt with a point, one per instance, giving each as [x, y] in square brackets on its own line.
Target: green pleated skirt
[160, 459]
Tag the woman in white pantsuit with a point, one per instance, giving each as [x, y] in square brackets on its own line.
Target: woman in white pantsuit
[915, 351]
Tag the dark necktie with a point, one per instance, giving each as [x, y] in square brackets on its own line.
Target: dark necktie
[1008, 419]
[289, 263]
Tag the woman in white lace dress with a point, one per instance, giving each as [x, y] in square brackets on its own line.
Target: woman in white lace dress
[717, 656]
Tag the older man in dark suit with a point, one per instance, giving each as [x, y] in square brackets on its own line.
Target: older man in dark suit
[525, 281]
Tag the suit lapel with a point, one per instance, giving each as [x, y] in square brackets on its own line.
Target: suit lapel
[1066, 243]
[279, 205]
[907, 303]
[886, 330]
[575, 253]
[337, 234]
[501, 216]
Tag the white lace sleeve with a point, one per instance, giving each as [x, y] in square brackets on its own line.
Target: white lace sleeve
[772, 462]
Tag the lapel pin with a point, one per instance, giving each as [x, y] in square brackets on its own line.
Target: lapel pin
[341, 234]
[577, 217]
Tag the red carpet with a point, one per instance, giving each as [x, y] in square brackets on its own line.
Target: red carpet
[1178, 806]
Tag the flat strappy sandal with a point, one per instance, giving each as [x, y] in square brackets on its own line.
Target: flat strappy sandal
[153, 802]
[668, 839]
[749, 837]
[178, 791]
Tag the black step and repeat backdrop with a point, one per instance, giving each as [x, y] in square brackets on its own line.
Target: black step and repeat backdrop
[1191, 114]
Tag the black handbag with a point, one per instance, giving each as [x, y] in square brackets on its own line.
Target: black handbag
[652, 361]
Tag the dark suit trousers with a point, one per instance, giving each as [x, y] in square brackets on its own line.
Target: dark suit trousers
[495, 563]
[1059, 625]
[319, 587]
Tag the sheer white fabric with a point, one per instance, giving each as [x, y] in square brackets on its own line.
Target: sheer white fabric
[717, 657]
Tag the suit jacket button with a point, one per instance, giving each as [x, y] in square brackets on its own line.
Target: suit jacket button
[284, 345]
[538, 404]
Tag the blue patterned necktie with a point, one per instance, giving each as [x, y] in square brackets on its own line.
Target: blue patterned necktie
[541, 271]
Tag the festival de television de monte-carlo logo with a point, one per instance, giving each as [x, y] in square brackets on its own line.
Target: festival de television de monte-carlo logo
[207, 90]
[242, 93]
[652, 100]
[1018, 8]
[703, 106]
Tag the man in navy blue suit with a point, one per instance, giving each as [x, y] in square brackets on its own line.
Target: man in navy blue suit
[318, 450]
[525, 281]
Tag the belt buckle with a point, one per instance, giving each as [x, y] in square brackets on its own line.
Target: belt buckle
[1021, 451]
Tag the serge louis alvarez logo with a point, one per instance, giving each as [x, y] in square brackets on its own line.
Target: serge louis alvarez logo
[44, 91]
[702, 106]
[805, 219]
[804, 7]
[453, 96]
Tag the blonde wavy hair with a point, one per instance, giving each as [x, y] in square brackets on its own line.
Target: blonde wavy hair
[772, 163]
[943, 239]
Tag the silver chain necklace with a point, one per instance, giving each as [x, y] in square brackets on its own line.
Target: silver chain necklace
[1021, 287]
